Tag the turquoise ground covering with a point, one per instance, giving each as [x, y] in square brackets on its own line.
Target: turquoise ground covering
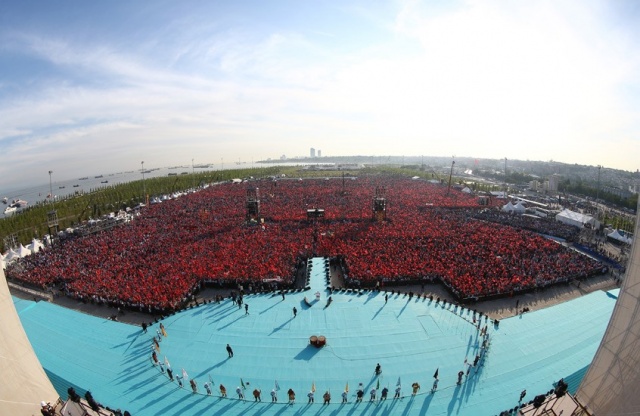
[410, 338]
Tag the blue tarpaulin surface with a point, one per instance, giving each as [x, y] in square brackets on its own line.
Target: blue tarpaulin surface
[410, 338]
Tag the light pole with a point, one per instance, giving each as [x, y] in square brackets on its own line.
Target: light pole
[144, 187]
[50, 187]
[453, 162]
[193, 174]
[52, 216]
[505, 178]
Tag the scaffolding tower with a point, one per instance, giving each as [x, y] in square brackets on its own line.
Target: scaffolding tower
[380, 204]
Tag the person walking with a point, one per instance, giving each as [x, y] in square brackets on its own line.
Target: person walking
[229, 351]
[522, 394]
[274, 396]
[311, 396]
[295, 312]
[345, 396]
[435, 386]
[246, 309]
[256, 395]
[327, 397]
[240, 393]
[292, 396]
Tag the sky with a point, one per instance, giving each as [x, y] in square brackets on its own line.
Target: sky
[97, 87]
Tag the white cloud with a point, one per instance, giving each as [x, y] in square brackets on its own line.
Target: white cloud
[523, 80]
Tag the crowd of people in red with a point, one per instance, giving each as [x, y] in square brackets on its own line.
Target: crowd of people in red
[160, 258]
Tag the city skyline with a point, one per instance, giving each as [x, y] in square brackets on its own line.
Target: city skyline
[90, 87]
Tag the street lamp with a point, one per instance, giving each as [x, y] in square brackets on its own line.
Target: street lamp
[52, 216]
[50, 187]
[193, 174]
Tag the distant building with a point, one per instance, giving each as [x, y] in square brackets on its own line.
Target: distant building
[621, 193]
[283, 157]
[319, 153]
[312, 152]
[554, 181]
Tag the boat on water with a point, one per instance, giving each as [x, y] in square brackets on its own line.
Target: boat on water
[84, 179]
[99, 176]
[15, 205]
[61, 187]
[104, 182]
[76, 186]
[5, 200]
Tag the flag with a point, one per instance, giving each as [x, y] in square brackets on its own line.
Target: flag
[166, 362]
[398, 383]
[185, 376]
[163, 331]
[277, 386]
[346, 388]
[242, 384]
[378, 385]
[211, 381]
[435, 375]
[313, 386]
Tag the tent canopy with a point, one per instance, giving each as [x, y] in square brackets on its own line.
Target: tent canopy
[576, 219]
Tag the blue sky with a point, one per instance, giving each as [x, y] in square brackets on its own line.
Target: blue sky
[96, 87]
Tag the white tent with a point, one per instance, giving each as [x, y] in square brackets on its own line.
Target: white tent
[466, 190]
[10, 255]
[576, 219]
[23, 251]
[519, 208]
[616, 235]
[508, 207]
[35, 246]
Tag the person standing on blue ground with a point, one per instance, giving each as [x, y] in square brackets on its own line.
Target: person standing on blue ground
[522, 394]
[246, 309]
[229, 351]
[435, 386]
[295, 312]
[383, 393]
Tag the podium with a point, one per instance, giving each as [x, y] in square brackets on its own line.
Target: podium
[317, 341]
